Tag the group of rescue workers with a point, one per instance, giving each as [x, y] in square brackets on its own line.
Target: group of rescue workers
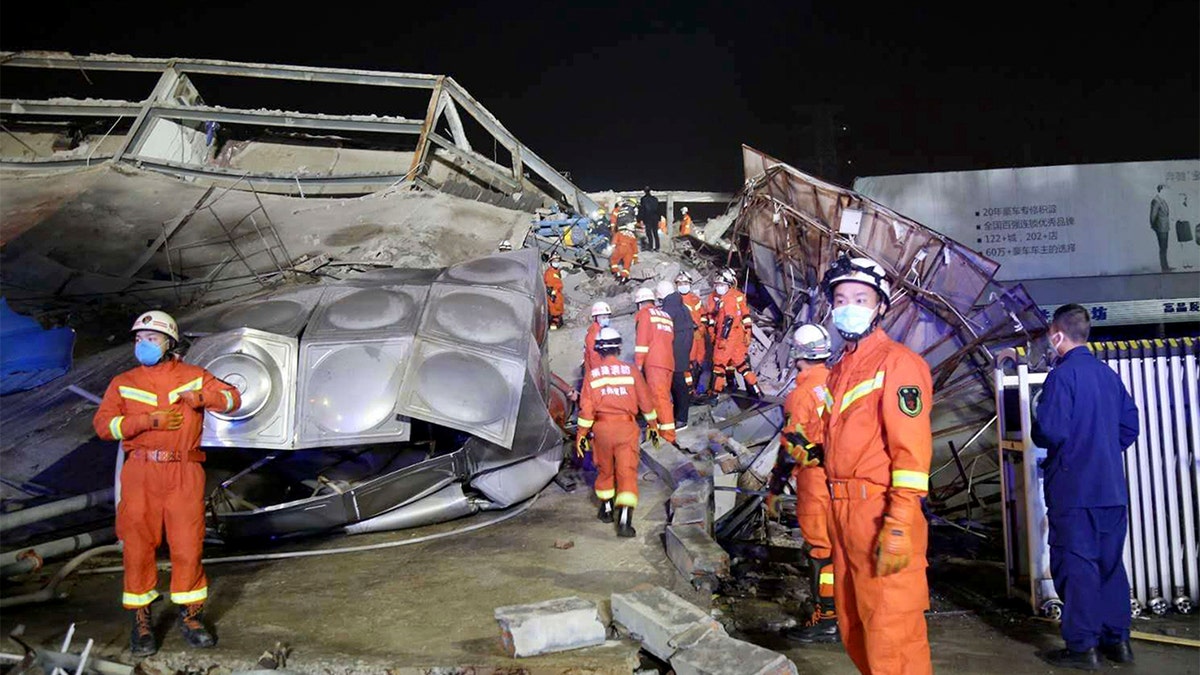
[856, 439]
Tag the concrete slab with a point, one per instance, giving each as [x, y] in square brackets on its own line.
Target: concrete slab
[697, 557]
[551, 626]
[718, 654]
[669, 463]
[691, 492]
[655, 616]
[693, 514]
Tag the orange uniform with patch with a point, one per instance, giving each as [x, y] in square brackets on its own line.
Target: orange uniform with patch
[552, 277]
[654, 355]
[162, 480]
[731, 330]
[590, 357]
[805, 412]
[613, 393]
[624, 255]
[878, 446]
[696, 307]
[685, 225]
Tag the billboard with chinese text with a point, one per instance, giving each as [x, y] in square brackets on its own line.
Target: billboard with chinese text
[1060, 221]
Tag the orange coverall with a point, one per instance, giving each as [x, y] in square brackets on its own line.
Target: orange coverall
[878, 446]
[624, 255]
[696, 307]
[554, 294]
[590, 357]
[804, 410]
[613, 393]
[655, 357]
[162, 480]
[685, 225]
[729, 355]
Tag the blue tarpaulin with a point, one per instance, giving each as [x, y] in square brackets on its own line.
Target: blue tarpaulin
[29, 354]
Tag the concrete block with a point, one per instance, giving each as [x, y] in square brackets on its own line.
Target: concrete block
[655, 617]
[691, 492]
[692, 514]
[695, 554]
[724, 500]
[669, 463]
[550, 626]
[719, 654]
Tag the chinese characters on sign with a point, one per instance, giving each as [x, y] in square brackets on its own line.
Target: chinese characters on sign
[1131, 312]
[1010, 231]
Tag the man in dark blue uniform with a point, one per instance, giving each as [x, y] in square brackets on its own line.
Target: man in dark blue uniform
[1085, 420]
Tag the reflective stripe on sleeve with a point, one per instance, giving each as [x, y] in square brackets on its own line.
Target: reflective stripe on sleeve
[190, 597]
[194, 385]
[586, 423]
[138, 599]
[667, 426]
[913, 480]
[641, 350]
[114, 427]
[651, 416]
[826, 578]
[228, 400]
[139, 395]
[861, 389]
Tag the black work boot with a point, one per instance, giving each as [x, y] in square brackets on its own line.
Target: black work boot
[822, 628]
[191, 623]
[730, 381]
[625, 522]
[606, 511]
[1065, 658]
[754, 390]
[141, 639]
[1118, 653]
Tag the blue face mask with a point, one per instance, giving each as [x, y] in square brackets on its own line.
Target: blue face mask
[147, 353]
[604, 321]
[853, 321]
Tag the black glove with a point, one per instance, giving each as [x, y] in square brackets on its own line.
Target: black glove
[807, 454]
[726, 327]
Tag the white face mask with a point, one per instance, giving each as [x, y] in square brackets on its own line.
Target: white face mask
[853, 321]
[684, 289]
[556, 265]
[721, 289]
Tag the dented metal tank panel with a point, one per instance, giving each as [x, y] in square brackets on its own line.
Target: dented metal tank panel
[487, 318]
[263, 368]
[462, 387]
[282, 313]
[384, 310]
[349, 391]
[517, 271]
[390, 276]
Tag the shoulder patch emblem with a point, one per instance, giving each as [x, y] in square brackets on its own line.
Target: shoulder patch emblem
[910, 401]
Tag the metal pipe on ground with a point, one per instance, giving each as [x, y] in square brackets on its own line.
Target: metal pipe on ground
[29, 559]
[9, 521]
[50, 590]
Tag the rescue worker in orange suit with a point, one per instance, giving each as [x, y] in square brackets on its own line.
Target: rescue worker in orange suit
[878, 446]
[801, 453]
[682, 333]
[695, 307]
[654, 354]
[732, 327]
[625, 252]
[708, 319]
[601, 318]
[685, 225]
[157, 411]
[613, 393]
[554, 291]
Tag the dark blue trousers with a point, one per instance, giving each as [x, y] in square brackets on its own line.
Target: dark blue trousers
[1085, 562]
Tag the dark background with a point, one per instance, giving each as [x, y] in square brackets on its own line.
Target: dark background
[663, 93]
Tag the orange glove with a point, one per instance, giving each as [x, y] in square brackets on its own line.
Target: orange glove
[193, 399]
[894, 547]
[159, 420]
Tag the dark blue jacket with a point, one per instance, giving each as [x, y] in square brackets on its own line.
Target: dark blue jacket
[1085, 420]
[683, 327]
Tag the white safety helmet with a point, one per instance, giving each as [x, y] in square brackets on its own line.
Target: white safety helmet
[157, 321]
[682, 278]
[811, 342]
[607, 338]
[683, 210]
[663, 289]
[505, 245]
[643, 294]
[600, 308]
[727, 276]
[862, 270]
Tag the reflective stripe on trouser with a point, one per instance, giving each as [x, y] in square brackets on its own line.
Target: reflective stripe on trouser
[157, 496]
[812, 509]
[882, 619]
[659, 381]
[1086, 547]
[622, 259]
[615, 449]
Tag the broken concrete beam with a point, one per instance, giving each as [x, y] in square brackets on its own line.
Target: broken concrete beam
[691, 492]
[693, 514]
[669, 463]
[550, 626]
[724, 500]
[655, 617]
[694, 553]
[719, 654]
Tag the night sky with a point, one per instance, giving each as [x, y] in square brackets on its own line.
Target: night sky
[664, 94]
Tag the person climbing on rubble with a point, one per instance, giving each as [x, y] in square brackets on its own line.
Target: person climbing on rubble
[685, 224]
[695, 307]
[878, 446]
[683, 330]
[613, 393]
[800, 455]
[625, 252]
[601, 318]
[156, 411]
[555, 302]
[654, 354]
[732, 337]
